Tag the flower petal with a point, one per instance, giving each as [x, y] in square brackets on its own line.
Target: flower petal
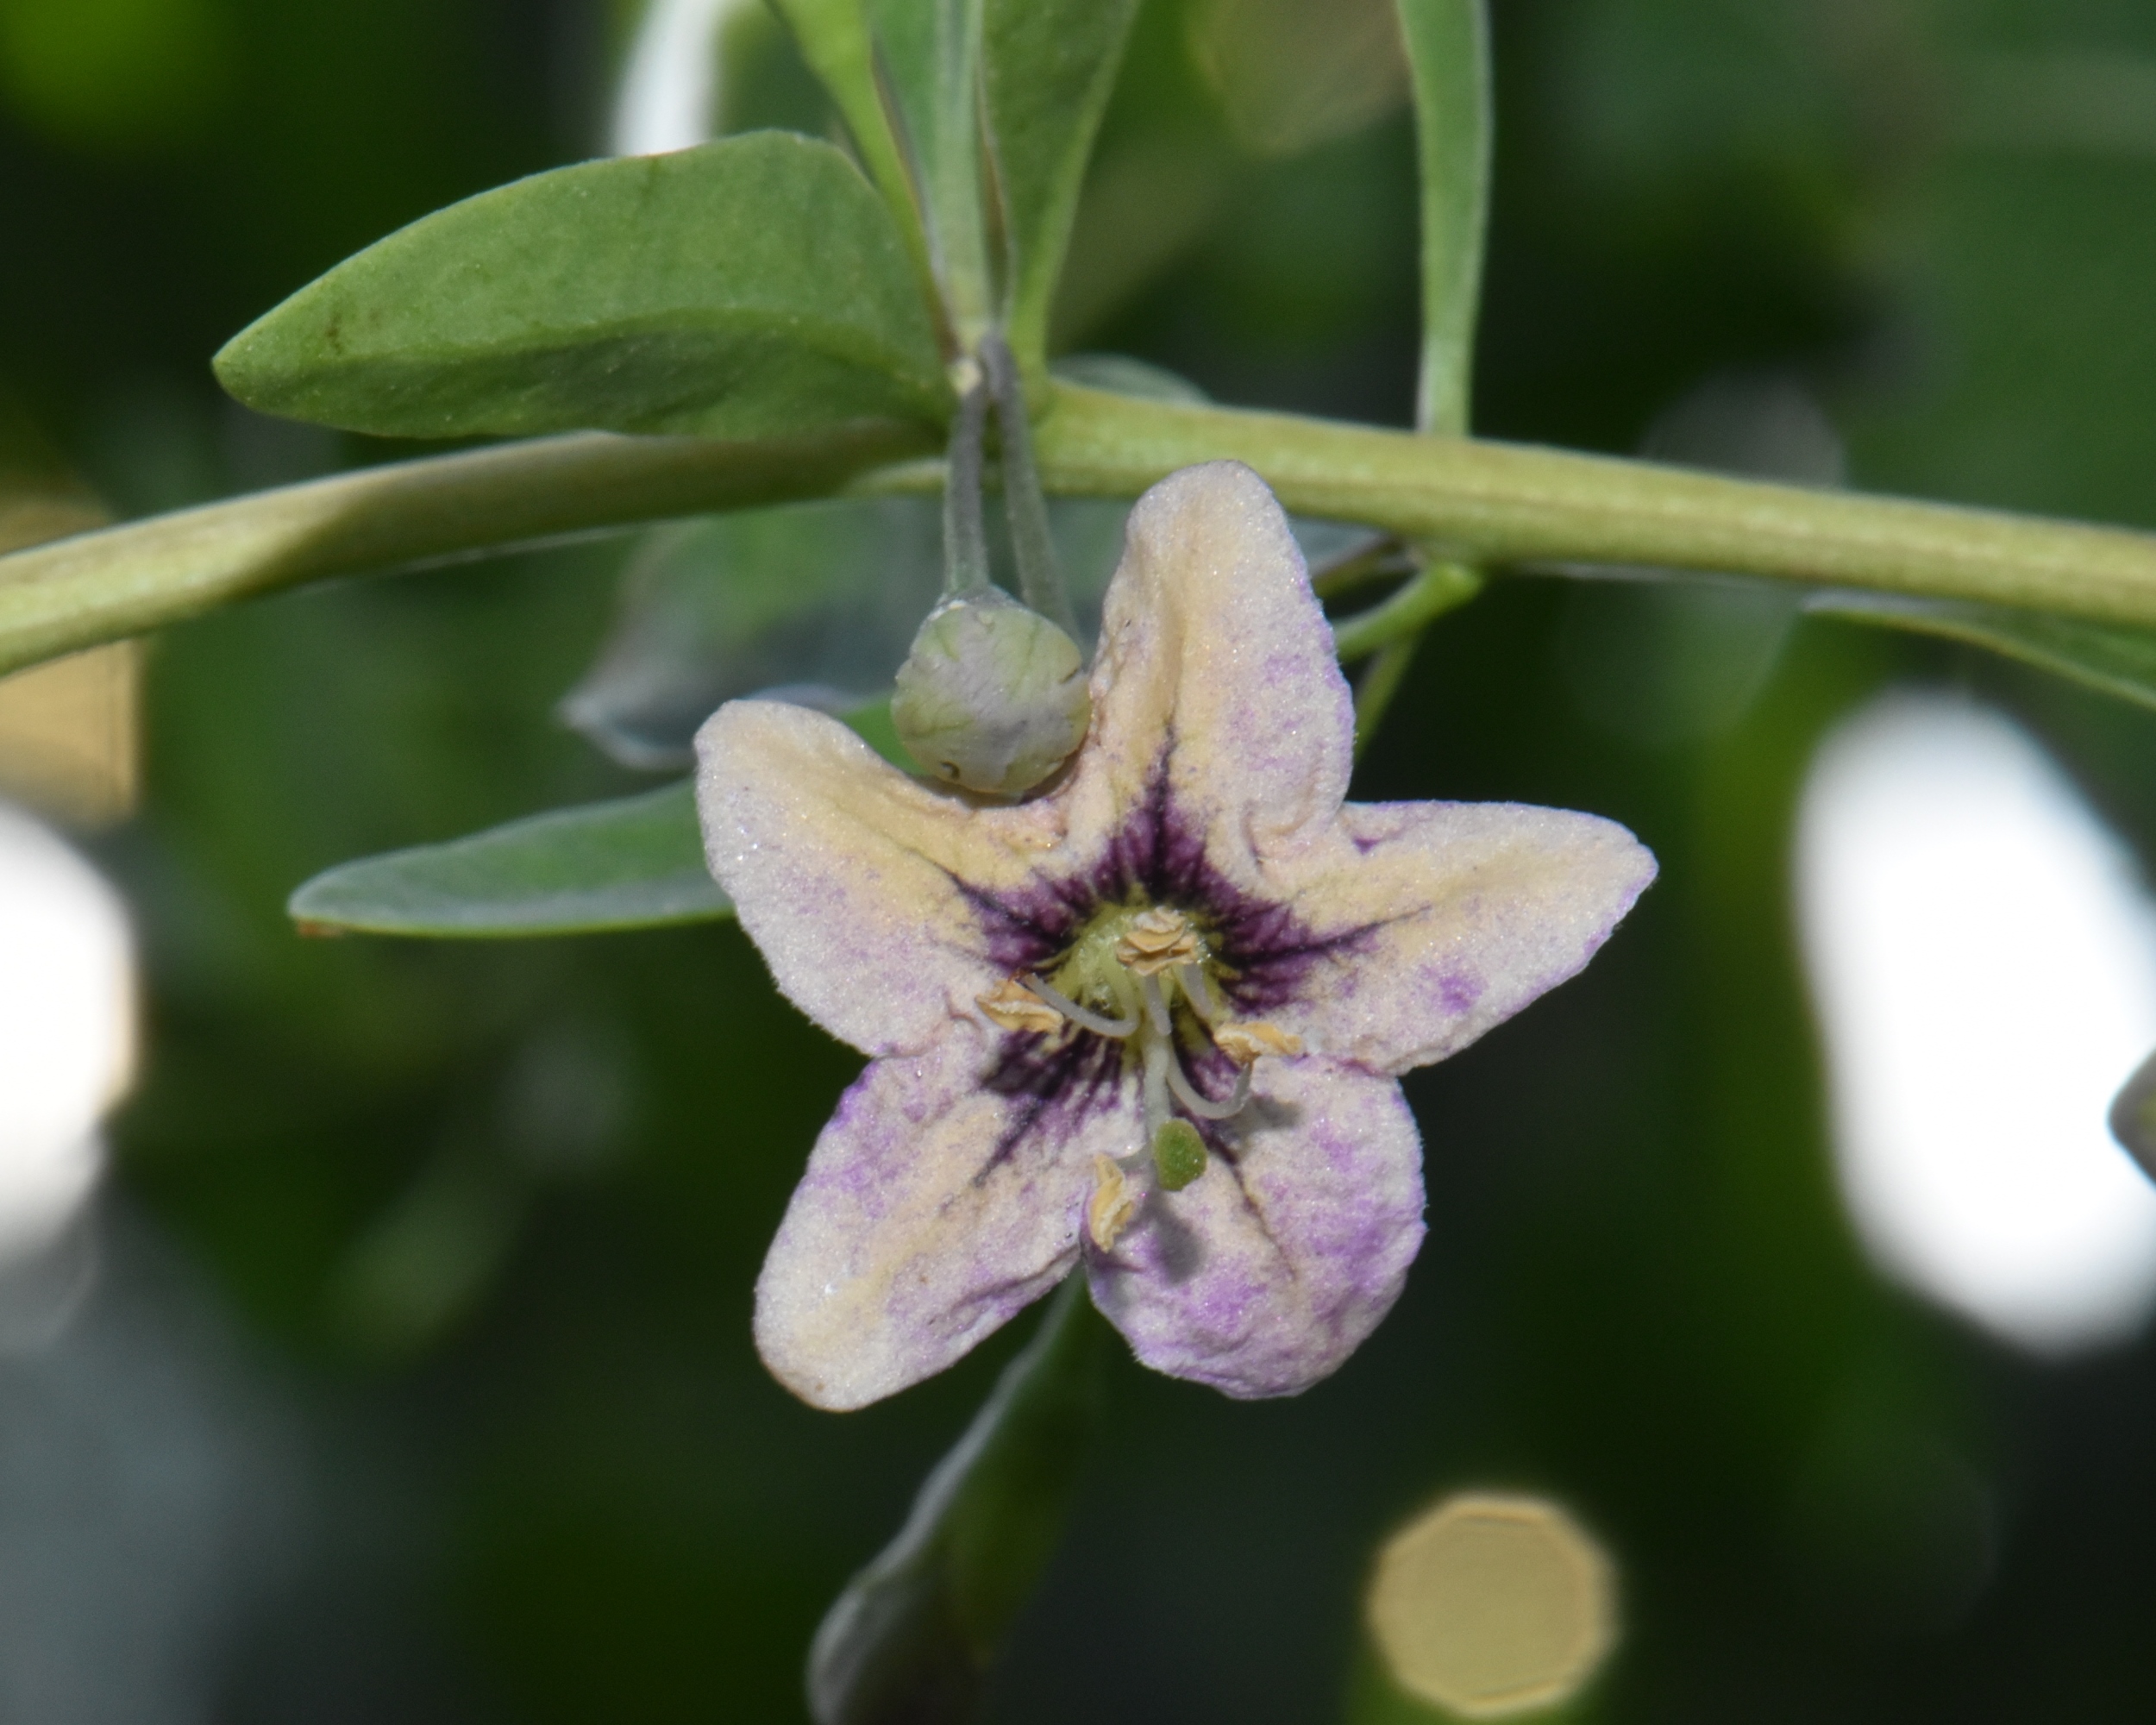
[853, 879]
[1214, 649]
[1433, 922]
[936, 1207]
[1263, 1276]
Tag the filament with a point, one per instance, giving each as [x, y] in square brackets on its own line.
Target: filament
[1117, 1028]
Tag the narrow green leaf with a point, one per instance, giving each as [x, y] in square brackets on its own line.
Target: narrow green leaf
[912, 1635]
[1292, 74]
[635, 862]
[818, 600]
[930, 54]
[747, 288]
[835, 40]
[1122, 374]
[1448, 61]
[1048, 68]
[2115, 659]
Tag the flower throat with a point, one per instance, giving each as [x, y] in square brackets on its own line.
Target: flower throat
[1123, 977]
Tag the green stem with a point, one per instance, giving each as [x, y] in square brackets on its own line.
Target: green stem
[1481, 503]
[1379, 683]
[120, 581]
[1392, 632]
[965, 536]
[1494, 503]
[1040, 582]
[1438, 588]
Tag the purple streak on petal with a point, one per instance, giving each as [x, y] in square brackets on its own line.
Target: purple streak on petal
[1458, 992]
[1264, 1275]
[899, 1250]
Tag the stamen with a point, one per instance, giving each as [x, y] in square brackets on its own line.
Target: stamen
[1015, 1007]
[1117, 1028]
[1155, 940]
[1197, 989]
[1112, 1205]
[1158, 1058]
[1242, 1043]
[1203, 1107]
[1155, 1007]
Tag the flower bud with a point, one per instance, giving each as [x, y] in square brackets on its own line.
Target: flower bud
[992, 697]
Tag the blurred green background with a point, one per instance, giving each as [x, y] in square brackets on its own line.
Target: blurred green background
[428, 1267]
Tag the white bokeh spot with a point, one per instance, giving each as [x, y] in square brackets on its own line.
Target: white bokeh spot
[66, 1029]
[1982, 956]
[669, 90]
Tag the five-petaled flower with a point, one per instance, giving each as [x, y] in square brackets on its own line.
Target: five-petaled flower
[1152, 1019]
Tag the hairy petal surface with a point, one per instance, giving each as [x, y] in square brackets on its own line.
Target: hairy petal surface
[1437, 921]
[1213, 648]
[1261, 1277]
[851, 878]
[934, 1209]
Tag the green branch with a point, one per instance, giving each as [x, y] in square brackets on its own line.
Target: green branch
[122, 581]
[1481, 503]
[1488, 503]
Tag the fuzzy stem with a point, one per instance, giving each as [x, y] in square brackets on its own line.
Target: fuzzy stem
[965, 538]
[1484, 503]
[1040, 582]
[1379, 683]
[1427, 596]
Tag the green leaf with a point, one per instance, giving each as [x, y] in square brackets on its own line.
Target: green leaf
[747, 288]
[1292, 74]
[820, 600]
[1126, 375]
[912, 1635]
[1448, 63]
[930, 54]
[1048, 68]
[2116, 660]
[635, 862]
[835, 40]
[816, 602]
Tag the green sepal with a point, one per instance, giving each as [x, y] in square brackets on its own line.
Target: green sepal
[753, 287]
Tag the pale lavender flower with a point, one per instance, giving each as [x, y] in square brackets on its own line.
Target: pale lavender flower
[1191, 929]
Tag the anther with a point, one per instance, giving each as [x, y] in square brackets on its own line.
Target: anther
[1156, 939]
[1015, 1007]
[1117, 1028]
[1242, 1043]
[1206, 1109]
[1112, 1205]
